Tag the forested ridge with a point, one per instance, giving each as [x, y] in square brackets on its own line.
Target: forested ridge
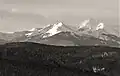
[32, 59]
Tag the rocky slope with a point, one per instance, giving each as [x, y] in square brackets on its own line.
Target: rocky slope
[89, 32]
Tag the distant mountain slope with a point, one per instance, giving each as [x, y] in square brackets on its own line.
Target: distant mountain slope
[89, 32]
[51, 30]
[61, 34]
[11, 36]
[80, 60]
[90, 25]
[68, 39]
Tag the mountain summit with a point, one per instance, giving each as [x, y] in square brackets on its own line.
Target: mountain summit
[89, 32]
[90, 25]
[100, 26]
[50, 30]
[55, 29]
[85, 25]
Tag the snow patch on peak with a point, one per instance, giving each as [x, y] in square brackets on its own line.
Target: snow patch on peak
[59, 24]
[33, 29]
[85, 26]
[47, 25]
[84, 23]
[100, 26]
[28, 34]
[53, 30]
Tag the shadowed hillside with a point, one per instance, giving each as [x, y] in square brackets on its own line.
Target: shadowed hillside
[32, 59]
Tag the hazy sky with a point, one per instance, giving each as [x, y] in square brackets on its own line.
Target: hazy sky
[26, 14]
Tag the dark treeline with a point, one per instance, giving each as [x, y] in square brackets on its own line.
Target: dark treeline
[32, 59]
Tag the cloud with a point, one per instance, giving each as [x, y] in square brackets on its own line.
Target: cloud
[25, 13]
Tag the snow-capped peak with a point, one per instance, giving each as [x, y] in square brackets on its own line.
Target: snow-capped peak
[53, 30]
[100, 26]
[59, 24]
[91, 25]
[84, 23]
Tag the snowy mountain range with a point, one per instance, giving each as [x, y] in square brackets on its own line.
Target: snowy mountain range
[89, 32]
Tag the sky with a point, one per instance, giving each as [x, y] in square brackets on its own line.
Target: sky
[26, 14]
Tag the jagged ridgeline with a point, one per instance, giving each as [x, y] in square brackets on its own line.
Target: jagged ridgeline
[90, 32]
[32, 59]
